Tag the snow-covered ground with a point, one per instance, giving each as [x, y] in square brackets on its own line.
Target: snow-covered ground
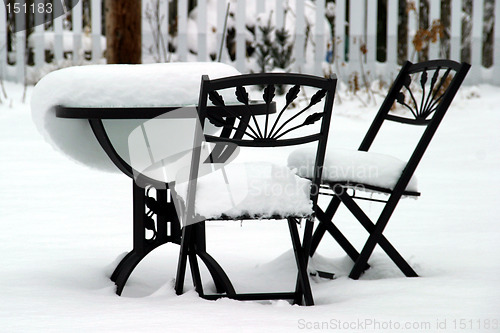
[64, 225]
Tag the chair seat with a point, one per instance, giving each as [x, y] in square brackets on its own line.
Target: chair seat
[362, 170]
[250, 190]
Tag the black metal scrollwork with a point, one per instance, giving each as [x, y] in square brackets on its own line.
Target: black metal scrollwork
[153, 209]
[430, 96]
[280, 126]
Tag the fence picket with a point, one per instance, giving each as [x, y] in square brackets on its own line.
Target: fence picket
[356, 32]
[280, 19]
[477, 32]
[20, 44]
[319, 38]
[300, 38]
[38, 46]
[240, 36]
[412, 30]
[3, 43]
[182, 30]
[340, 32]
[58, 32]
[347, 56]
[221, 17]
[165, 28]
[371, 37]
[496, 55]
[434, 14]
[96, 30]
[456, 26]
[260, 7]
[77, 33]
[392, 37]
[202, 31]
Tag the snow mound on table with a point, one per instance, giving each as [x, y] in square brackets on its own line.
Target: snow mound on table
[353, 166]
[170, 84]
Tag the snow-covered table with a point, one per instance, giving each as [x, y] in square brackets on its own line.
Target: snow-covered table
[109, 89]
[79, 108]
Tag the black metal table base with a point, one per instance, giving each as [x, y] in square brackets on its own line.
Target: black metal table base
[166, 229]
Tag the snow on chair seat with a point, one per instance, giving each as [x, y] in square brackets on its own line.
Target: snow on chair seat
[256, 190]
[360, 169]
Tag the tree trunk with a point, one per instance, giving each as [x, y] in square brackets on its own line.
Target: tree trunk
[123, 31]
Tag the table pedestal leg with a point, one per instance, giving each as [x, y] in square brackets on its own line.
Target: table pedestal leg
[167, 230]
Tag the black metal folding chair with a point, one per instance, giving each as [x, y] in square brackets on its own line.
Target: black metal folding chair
[426, 89]
[297, 122]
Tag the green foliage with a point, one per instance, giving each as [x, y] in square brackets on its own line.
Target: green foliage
[281, 51]
[263, 48]
[273, 50]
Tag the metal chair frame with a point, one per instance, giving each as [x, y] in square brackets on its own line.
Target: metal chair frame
[429, 112]
[248, 133]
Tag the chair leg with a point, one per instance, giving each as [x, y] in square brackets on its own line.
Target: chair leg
[188, 250]
[307, 238]
[365, 254]
[195, 272]
[220, 278]
[324, 221]
[306, 246]
[317, 237]
[303, 287]
[328, 225]
[183, 255]
[376, 237]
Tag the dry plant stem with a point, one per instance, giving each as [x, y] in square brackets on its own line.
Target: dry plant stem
[23, 99]
[336, 60]
[360, 99]
[223, 32]
[423, 37]
[1, 78]
[308, 27]
[411, 7]
[3, 88]
[163, 46]
[305, 95]
[371, 95]
[154, 20]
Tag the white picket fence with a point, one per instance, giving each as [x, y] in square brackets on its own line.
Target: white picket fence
[362, 29]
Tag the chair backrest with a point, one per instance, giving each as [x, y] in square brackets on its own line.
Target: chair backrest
[426, 90]
[303, 117]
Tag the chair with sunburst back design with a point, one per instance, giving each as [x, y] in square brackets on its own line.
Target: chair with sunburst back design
[426, 90]
[255, 190]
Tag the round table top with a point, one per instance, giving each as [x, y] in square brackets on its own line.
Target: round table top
[255, 108]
